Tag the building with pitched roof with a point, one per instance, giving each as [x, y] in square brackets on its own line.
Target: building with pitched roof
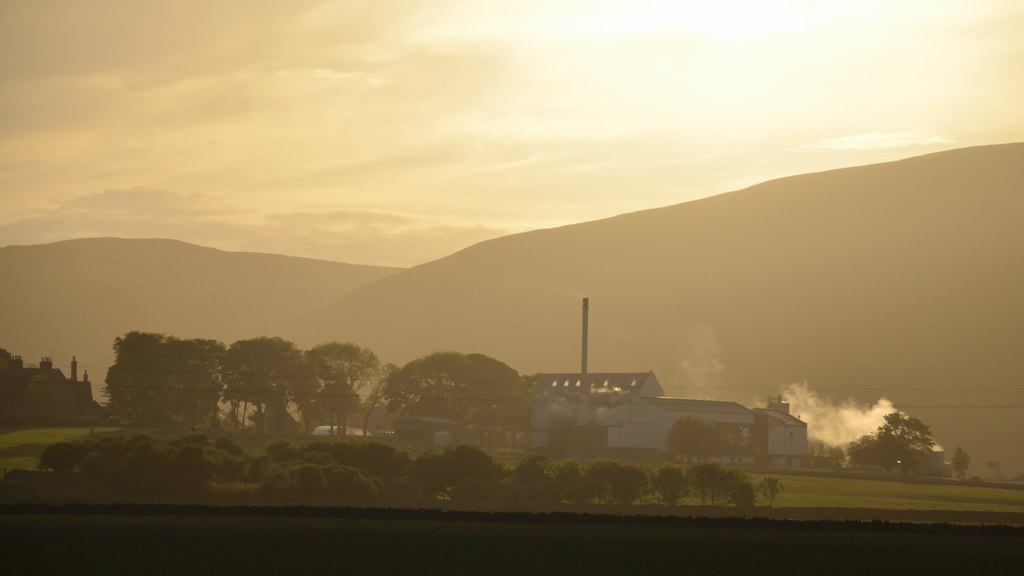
[618, 413]
[44, 391]
[778, 436]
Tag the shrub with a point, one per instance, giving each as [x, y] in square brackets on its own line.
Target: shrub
[309, 480]
[228, 446]
[350, 484]
[611, 481]
[670, 484]
[281, 451]
[567, 476]
[61, 457]
[716, 484]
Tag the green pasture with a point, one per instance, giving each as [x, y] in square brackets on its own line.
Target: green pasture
[801, 491]
[21, 447]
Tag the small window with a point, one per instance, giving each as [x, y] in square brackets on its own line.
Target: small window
[578, 383]
[633, 383]
[554, 383]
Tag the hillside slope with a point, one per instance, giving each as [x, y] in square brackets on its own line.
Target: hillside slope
[73, 298]
[901, 279]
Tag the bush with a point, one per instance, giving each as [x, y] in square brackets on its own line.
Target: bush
[228, 446]
[670, 484]
[282, 451]
[350, 484]
[615, 482]
[717, 485]
[147, 467]
[318, 458]
[191, 469]
[379, 459]
[97, 467]
[470, 490]
[276, 483]
[567, 476]
[61, 457]
[531, 470]
[309, 480]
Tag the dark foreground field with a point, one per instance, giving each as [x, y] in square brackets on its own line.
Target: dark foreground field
[191, 540]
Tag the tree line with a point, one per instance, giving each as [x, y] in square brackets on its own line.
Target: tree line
[260, 382]
[366, 472]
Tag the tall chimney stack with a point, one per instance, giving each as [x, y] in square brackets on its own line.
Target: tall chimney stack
[74, 369]
[583, 355]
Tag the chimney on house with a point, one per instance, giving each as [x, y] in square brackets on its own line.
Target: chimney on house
[46, 363]
[583, 355]
[74, 369]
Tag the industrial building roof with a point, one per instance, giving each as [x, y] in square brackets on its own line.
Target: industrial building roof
[780, 417]
[635, 383]
[690, 405]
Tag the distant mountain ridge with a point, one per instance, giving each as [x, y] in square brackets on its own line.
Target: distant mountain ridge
[72, 298]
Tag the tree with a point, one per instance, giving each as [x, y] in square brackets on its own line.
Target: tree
[902, 441]
[770, 488]
[267, 373]
[696, 438]
[375, 393]
[137, 384]
[194, 368]
[157, 378]
[341, 371]
[470, 388]
[995, 470]
[961, 461]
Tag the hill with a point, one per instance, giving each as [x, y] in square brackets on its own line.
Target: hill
[73, 298]
[901, 279]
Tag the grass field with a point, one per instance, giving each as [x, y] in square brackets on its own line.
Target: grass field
[895, 494]
[21, 447]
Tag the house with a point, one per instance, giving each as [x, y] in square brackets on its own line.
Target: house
[780, 438]
[44, 391]
[622, 414]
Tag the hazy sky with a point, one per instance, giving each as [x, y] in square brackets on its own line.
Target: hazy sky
[393, 133]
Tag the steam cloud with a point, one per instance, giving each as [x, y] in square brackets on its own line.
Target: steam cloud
[700, 364]
[831, 423]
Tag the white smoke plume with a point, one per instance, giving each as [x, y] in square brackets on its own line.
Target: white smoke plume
[700, 358]
[831, 423]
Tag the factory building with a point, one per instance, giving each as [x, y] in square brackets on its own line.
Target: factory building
[586, 415]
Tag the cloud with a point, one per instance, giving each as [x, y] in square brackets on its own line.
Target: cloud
[466, 117]
[875, 141]
[353, 236]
